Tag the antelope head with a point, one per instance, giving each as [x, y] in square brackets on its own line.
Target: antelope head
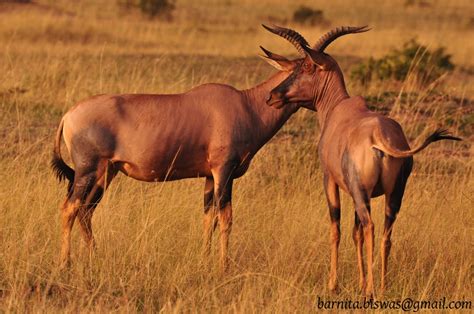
[313, 78]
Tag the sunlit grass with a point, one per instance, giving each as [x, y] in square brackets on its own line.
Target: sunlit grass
[149, 235]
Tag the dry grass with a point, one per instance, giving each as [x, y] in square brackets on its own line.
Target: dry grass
[54, 53]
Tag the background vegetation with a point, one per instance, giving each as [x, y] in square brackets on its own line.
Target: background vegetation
[54, 53]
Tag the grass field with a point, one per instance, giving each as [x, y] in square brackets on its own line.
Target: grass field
[55, 53]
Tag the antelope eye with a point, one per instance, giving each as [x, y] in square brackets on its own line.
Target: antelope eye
[306, 67]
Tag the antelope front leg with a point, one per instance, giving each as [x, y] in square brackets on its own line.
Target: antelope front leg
[368, 230]
[332, 195]
[222, 199]
[369, 240]
[210, 215]
[225, 226]
[358, 238]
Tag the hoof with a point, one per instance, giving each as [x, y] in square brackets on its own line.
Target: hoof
[333, 288]
[369, 294]
[362, 287]
[382, 292]
[64, 264]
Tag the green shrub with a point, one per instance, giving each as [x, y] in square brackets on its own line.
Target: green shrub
[151, 8]
[426, 65]
[309, 16]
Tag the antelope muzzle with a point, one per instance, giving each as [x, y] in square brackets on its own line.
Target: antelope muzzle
[276, 99]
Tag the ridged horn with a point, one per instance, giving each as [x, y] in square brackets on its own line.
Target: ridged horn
[295, 38]
[332, 35]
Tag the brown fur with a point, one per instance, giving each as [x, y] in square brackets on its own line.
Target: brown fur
[362, 152]
[211, 131]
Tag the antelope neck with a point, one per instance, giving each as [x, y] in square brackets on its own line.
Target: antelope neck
[329, 92]
[270, 119]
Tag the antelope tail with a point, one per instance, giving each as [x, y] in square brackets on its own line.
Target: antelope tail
[61, 169]
[384, 146]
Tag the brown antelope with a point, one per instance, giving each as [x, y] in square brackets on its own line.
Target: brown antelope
[212, 131]
[362, 152]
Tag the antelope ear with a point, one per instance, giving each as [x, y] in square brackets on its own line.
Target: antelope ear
[279, 62]
[280, 65]
[318, 58]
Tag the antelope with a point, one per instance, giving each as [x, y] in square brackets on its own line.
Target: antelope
[211, 131]
[361, 152]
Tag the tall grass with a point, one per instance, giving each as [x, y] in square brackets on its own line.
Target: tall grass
[54, 53]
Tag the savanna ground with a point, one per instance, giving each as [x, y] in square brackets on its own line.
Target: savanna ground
[54, 53]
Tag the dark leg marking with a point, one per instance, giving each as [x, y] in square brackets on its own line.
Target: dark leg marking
[87, 191]
[393, 203]
[210, 215]
[74, 202]
[332, 195]
[362, 207]
[223, 181]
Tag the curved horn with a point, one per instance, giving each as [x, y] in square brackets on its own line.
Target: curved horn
[332, 35]
[272, 55]
[292, 36]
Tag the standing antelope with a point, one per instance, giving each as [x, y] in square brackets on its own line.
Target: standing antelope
[212, 131]
[363, 152]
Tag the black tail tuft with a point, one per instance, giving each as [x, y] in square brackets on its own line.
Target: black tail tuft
[442, 134]
[62, 170]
